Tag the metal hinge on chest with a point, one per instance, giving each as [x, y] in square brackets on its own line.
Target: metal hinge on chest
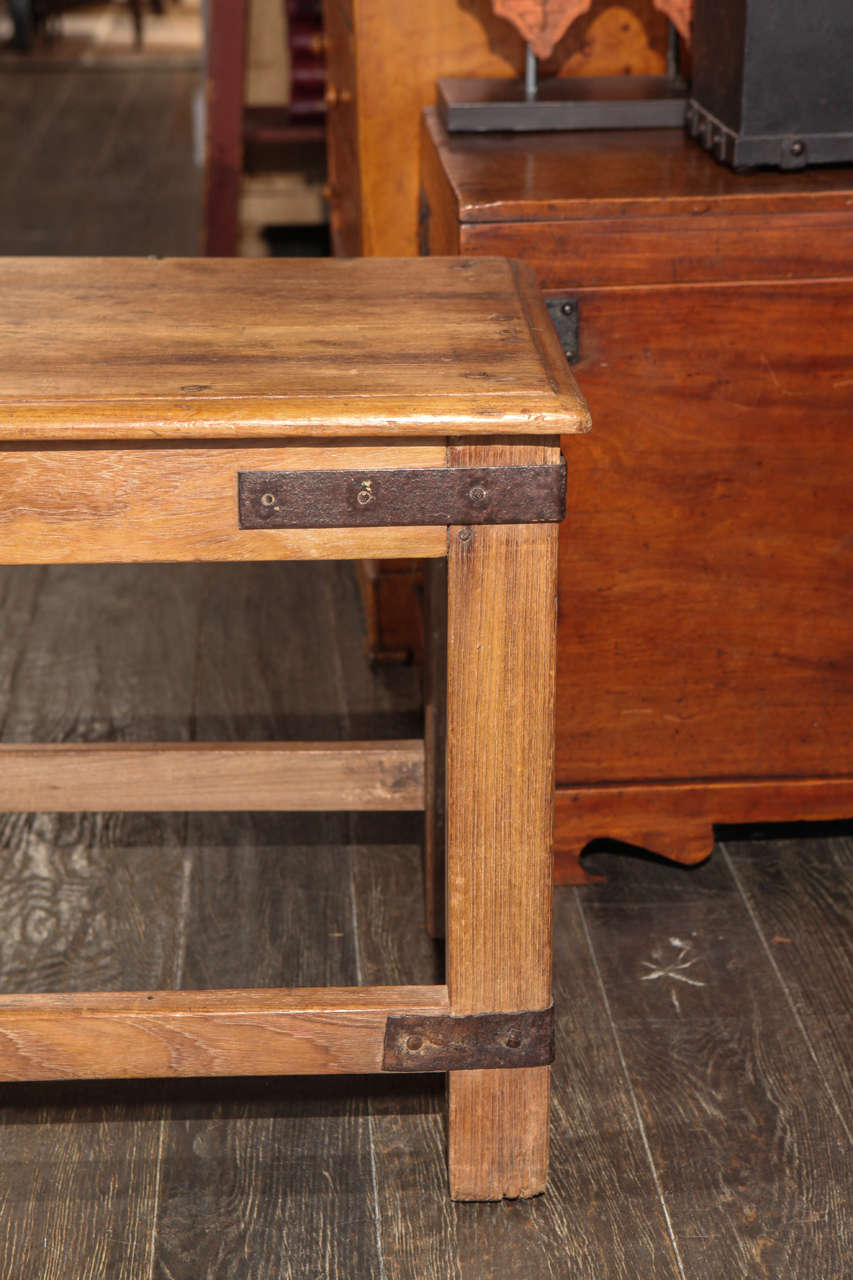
[480, 1040]
[415, 496]
[565, 317]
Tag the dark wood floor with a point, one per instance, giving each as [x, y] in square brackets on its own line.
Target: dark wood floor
[98, 161]
[702, 1099]
[702, 1092]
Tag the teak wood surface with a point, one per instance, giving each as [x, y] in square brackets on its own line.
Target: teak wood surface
[138, 350]
[132, 394]
[501, 643]
[108, 777]
[133, 1034]
[705, 561]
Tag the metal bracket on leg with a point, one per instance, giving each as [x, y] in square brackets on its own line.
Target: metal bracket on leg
[470, 1042]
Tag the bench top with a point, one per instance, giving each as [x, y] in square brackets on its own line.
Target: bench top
[227, 349]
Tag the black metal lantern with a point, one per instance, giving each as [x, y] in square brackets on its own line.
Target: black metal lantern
[773, 81]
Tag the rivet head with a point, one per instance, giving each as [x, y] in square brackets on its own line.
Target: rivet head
[414, 1043]
[512, 1040]
[268, 499]
[797, 148]
[365, 493]
[465, 535]
[567, 308]
[477, 494]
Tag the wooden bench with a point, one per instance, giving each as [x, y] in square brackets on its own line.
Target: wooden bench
[207, 410]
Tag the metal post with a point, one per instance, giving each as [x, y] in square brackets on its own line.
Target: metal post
[531, 74]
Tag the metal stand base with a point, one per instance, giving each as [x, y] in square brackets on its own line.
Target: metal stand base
[563, 102]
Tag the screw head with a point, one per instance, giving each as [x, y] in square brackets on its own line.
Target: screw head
[512, 1040]
[477, 494]
[568, 308]
[465, 535]
[414, 1043]
[268, 499]
[797, 148]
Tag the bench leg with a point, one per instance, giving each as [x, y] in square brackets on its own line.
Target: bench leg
[500, 781]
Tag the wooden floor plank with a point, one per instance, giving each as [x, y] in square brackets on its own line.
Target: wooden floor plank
[293, 1158]
[753, 1167]
[800, 893]
[20, 593]
[600, 1215]
[283, 1169]
[87, 902]
[102, 163]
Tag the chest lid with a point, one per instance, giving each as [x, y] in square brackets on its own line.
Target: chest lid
[619, 173]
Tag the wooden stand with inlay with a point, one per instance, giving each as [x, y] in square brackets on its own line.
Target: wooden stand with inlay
[253, 410]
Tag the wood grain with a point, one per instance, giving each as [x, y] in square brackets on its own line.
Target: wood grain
[134, 190]
[296, 1031]
[602, 1210]
[623, 208]
[619, 174]
[677, 820]
[227, 26]
[268, 1160]
[343, 190]
[178, 777]
[65, 505]
[500, 717]
[799, 892]
[202, 348]
[87, 902]
[686, 250]
[739, 506]
[696, 516]
[751, 1155]
[286, 1159]
[390, 593]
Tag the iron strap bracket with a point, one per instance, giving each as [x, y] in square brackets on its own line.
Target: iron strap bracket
[478, 1040]
[406, 496]
[565, 317]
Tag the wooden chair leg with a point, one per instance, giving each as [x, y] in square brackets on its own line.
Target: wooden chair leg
[500, 754]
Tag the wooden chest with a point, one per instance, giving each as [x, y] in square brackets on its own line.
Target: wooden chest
[706, 573]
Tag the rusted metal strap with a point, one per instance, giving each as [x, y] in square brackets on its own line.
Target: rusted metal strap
[479, 1040]
[410, 496]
